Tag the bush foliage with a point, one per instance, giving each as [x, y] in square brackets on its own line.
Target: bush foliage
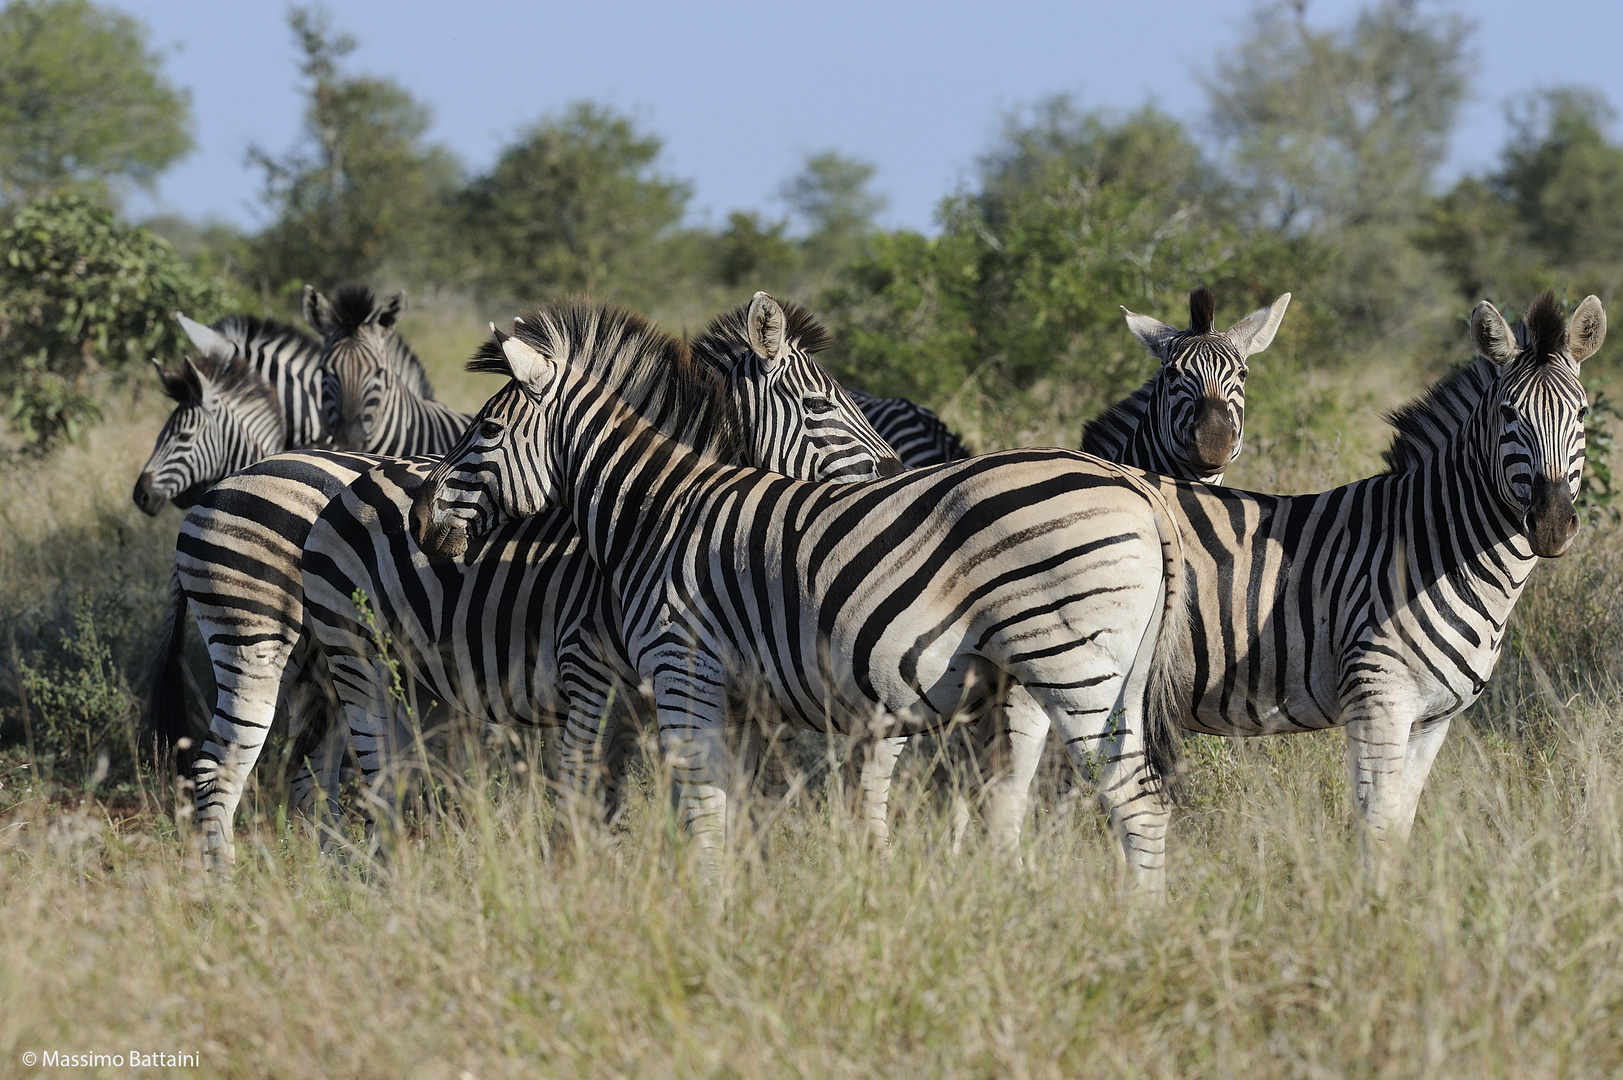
[82, 294]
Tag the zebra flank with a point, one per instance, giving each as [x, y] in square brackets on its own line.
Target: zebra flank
[1382, 605]
[1032, 582]
[1188, 420]
[518, 626]
[378, 396]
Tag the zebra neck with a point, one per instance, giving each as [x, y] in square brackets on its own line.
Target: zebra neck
[1128, 434]
[624, 481]
[1454, 507]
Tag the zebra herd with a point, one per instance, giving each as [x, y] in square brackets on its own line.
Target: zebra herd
[714, 537]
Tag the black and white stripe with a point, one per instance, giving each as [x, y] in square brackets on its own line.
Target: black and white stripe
[219, 424]
[226, 418]
[1031, 582]
[916, 433]
[518, 627]
[1381, 606]
[284, 356]
[237, 567]
[377, 393]
[1188, 420]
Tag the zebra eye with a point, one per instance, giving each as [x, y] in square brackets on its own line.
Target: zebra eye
[1508, 413]
[1583, 413]
[1243, 374]
[818, 405]
[490, 430]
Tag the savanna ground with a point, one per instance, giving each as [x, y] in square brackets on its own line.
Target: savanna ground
[479, 950]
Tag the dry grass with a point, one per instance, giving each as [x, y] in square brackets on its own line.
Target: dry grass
[479, 951]
[475, 953]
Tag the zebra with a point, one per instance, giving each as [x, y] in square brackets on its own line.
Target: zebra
[518, 628]
[1038, 584]
[286, 357]
[382, 400]
[226, 418]
[916, 433]
[1188, 420]
[204, 437]
[237, 567]
[1381, 606]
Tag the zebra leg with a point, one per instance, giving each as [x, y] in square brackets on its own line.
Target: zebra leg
[690, 706]
[877, 764]
[1008, 796]
[1425, 739]
[318, 781]
[1378, 741]
[249, 679]
[368, 720]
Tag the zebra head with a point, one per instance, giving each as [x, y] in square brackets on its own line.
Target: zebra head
[498, 470]
[365, 365]
[226, 418]
[1197, 406]
[794, 418]
[1531, 421]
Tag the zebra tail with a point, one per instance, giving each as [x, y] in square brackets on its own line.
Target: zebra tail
[166, 695]
[1170, 671]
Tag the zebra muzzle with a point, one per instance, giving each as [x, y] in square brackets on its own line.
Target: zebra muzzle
[1551, 521]
[1214, 435]
[146, 496]
[439, 537]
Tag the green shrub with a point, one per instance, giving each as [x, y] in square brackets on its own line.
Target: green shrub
[81, 294]
[78, 708]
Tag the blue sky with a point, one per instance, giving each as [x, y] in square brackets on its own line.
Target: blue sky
[741, 92]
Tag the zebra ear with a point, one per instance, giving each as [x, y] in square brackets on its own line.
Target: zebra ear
[528, 366]
[390, 310]
[1152, 332]
[201, 389]
[1256, 331]
[317, 310]
[1587, 330]
[1491, 334]
[767, 328]
[209, 341]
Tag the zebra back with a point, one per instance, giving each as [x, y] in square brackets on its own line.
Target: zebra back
[916, 433]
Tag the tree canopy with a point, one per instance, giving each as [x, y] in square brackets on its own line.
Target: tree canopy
[83, 102]
[364, 189]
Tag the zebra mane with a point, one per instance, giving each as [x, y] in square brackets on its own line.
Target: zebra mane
[240, 388]
[652, 372]
[352, 308]
[729, 332]
[1543, 329]
[1427, 425]
[1202, 310]
[1123, 415]
[244, 329]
